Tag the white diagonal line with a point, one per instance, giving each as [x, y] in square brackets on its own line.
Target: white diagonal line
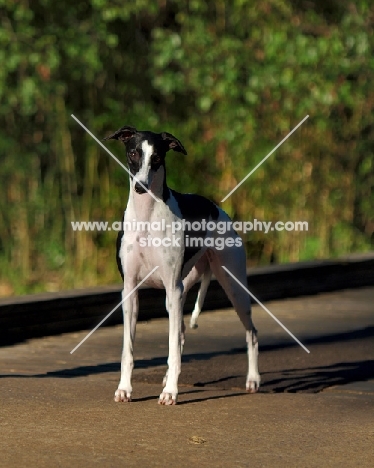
[265, 158]
[266, 309]
[113, 310]
[116, 159]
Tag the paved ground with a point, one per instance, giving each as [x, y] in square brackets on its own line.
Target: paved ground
[314, 409]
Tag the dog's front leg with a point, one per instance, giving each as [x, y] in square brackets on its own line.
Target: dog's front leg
[130, 309]
[183, 331]
[175, 308]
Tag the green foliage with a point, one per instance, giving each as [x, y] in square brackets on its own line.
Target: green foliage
[230, 79]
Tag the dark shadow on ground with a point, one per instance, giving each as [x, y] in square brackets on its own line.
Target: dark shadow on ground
[316, 379]
[222, 370]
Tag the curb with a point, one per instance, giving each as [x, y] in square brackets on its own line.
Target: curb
[44, 314]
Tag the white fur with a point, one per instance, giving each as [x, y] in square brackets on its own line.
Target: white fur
[138, 261]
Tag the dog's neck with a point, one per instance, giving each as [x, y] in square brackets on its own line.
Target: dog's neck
[141, 206]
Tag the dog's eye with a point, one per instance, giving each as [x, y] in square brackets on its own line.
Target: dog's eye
[156, 159]
[132, 154]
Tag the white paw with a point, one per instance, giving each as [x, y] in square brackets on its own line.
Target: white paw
[122, 396]
[167, 398]
[193, 325]
[252, 384]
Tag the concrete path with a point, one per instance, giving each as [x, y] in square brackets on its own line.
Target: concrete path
[317, 409]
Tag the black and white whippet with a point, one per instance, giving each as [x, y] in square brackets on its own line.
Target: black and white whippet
[180, 264]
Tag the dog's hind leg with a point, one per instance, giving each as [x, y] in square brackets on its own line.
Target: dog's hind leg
[200, 297]
[233, 259]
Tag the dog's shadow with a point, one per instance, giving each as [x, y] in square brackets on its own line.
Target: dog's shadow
[183, 401]
[303, 379]
[294, 380]
[308, 380]
[317, 379]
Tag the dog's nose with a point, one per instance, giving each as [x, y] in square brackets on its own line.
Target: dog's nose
[140, 188]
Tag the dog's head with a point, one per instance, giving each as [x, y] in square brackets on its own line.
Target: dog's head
[146, 153]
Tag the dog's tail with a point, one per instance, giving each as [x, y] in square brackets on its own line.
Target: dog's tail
[205, 280]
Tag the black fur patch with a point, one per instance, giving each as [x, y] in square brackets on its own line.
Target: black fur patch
[118, 245]
[194, 208]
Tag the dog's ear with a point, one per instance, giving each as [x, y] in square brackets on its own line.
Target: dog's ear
[173, 143]
[123, 134]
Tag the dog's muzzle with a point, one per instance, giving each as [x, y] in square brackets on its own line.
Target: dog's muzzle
[139, 188]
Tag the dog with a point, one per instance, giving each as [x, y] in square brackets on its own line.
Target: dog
[180, 263]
